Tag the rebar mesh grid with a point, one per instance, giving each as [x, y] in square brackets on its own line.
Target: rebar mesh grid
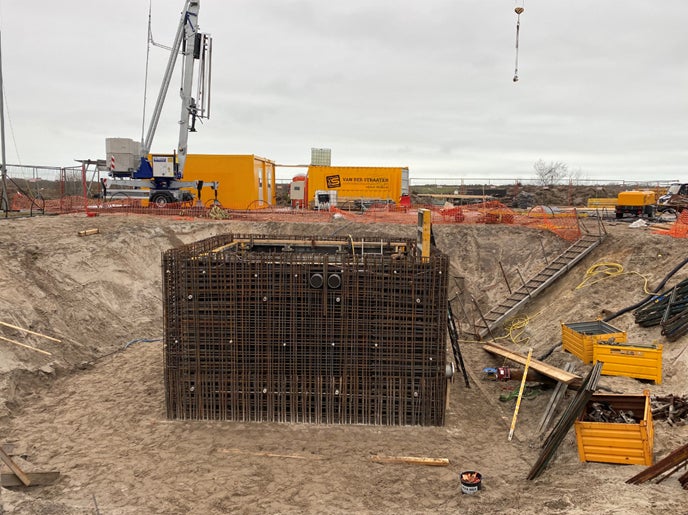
[286, 329]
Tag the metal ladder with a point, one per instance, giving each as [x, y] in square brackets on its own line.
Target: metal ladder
[517, 299]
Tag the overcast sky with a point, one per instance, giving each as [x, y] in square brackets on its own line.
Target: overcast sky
[425, 84]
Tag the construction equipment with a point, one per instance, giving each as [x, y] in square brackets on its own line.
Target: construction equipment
[636, 203]
[129, 163]
[675, 199]
[498, 373]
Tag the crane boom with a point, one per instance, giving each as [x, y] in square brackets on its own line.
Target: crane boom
[161, 175]
[189, 13]
[191, 52]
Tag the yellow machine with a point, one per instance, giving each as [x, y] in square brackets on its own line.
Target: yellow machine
[636, 203]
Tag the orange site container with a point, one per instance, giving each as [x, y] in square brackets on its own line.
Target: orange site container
[245, 181]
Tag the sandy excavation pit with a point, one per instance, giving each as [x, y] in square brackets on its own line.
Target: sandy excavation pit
[96, 412]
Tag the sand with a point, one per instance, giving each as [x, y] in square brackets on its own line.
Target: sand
[95, 411]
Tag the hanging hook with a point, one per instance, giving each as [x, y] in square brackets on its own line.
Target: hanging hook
[518, 11]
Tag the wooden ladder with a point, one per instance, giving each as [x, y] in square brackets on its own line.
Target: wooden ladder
[517, 299]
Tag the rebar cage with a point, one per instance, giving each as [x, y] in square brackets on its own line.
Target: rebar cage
[288, 329]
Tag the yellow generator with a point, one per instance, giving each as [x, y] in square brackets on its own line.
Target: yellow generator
[636, 203]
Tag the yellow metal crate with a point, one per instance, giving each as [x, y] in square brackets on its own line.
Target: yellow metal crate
[578, 338]
[622, 443]
[638, 361]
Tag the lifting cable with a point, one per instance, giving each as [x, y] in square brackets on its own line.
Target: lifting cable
[518, 10]
[150, 42]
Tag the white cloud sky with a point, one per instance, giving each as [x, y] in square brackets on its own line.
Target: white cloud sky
[603, 85]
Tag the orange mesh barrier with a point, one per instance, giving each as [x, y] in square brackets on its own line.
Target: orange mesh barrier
[62, 205]
[679, 229]
[562, 223]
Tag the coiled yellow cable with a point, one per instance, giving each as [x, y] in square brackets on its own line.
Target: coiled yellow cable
[517, 327]
[608, 269]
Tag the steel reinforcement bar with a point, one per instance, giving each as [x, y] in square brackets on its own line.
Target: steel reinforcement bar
[326, 330]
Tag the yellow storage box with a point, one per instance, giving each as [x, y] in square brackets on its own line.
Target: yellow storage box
[630, 360]
[617, 442]
[578, 338]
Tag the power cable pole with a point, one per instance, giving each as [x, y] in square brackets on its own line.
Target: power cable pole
[5, 202]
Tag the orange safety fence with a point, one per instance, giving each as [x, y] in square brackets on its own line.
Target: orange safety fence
[62, 205]
[679, 229]
[563, 223]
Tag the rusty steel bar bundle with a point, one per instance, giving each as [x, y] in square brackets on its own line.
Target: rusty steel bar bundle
[662, 306]
[286, 329]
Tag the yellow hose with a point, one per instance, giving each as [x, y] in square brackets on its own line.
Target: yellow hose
[600, 271]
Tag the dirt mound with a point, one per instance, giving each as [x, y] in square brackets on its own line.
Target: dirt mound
[96, 412]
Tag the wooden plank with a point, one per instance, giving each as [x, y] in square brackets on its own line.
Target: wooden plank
[316, 243]
[550, 371]
[520, 393]
[272, 455]
[312, 243]
[30, 332]
[432, 462]
[35, 478]
[25, 346]
[14, 468]
[89, 232]
[9, 448]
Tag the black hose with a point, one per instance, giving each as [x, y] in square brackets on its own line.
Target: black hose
[649, 297]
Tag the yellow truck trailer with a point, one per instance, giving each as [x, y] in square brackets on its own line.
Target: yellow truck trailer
[353, 183]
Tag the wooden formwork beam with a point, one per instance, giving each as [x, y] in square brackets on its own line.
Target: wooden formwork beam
[555, 373]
